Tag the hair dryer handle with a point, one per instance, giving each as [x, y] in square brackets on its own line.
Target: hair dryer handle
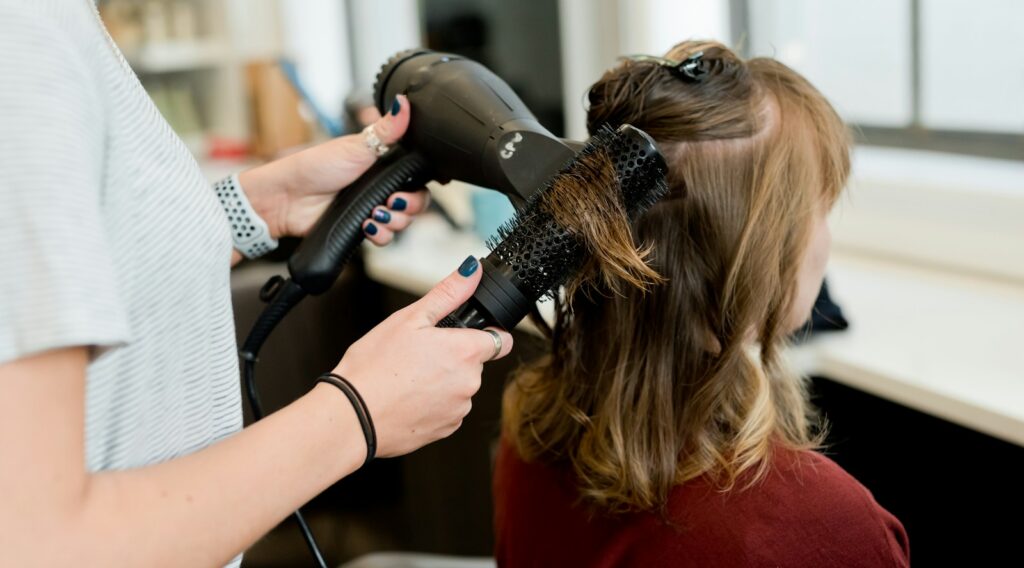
[329, 245]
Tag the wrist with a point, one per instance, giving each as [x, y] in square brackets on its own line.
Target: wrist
[269, 188]
[342, 423]
[359, 406]
[249, 231]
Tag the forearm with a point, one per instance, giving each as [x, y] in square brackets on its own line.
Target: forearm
[205, 508]
[268, 188]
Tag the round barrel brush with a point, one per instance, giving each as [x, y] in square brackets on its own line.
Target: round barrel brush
[579, 219]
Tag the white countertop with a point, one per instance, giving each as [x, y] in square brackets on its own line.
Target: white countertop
[945, 344]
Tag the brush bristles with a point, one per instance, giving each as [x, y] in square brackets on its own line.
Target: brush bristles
[577, 229]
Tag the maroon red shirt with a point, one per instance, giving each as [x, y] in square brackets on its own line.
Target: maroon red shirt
[807, 512]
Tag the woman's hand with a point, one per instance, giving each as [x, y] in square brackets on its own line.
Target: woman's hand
[290, 194]
[418, 380]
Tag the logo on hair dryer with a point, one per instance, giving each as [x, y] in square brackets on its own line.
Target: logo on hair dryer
[510, 147]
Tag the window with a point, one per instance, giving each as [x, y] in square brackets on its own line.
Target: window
[943, 75]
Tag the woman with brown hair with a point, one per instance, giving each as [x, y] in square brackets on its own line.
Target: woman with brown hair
[664, 428]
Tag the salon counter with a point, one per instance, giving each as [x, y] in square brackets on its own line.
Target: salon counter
[941, 343]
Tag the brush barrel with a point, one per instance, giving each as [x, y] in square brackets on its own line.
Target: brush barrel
[537, 255]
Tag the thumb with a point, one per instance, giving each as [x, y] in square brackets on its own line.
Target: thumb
[391, 126]
[449, 294]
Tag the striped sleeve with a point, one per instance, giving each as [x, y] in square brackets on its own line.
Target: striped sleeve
[58, 284]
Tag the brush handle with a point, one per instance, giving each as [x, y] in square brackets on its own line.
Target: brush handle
[497, 301]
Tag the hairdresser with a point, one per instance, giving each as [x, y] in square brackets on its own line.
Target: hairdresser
[120, 417]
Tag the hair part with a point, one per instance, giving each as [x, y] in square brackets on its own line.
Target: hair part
[649, 387]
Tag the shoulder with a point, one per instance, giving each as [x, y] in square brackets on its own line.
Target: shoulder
[804, 482]
[806, 510]
[815, 475]
[827, 496]
[34, 29]
[43, 41]
[27, 16]
[51, 87]
[819, 487]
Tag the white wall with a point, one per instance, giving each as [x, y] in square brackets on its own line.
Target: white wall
[339, 45]
[316, 39]
[381, 28]
[857, 53]
[596, 32]
[972, 65]
[654, 26]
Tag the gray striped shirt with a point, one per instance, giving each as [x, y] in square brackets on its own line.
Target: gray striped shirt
[110, 238]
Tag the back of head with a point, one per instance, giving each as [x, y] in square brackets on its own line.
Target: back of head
[646, 389]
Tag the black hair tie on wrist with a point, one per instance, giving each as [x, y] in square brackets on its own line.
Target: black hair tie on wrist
[362, 412]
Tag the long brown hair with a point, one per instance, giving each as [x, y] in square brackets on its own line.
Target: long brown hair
[649, 387]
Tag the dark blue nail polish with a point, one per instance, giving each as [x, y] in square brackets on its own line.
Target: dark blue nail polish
[381, 216]
[399, 204]
[395, 107]
[370, 229]
[469, 266]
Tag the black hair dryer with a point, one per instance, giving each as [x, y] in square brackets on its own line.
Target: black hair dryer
[466, 124]
[469, 124]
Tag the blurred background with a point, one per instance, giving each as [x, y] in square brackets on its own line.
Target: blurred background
[924, 386]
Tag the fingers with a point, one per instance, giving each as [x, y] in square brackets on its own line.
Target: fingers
[384, 222]
[385, 131]
[393, 220]
[491, 351]
[382, 225]
[377, 233]
[394, 122]
[409, 202]
[479, 346]
[448, 295]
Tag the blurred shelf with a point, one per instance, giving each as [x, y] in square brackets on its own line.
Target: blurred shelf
[215, 169]
[175, 56]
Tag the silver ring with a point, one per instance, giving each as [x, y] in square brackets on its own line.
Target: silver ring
[373, 141]
[497, 343]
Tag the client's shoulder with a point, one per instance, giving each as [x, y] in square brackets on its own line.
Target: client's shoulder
[805, 497]
[803, 475]
[812, 472]
[809, 483]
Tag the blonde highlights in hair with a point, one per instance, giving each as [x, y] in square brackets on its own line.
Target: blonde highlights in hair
[651, 386]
